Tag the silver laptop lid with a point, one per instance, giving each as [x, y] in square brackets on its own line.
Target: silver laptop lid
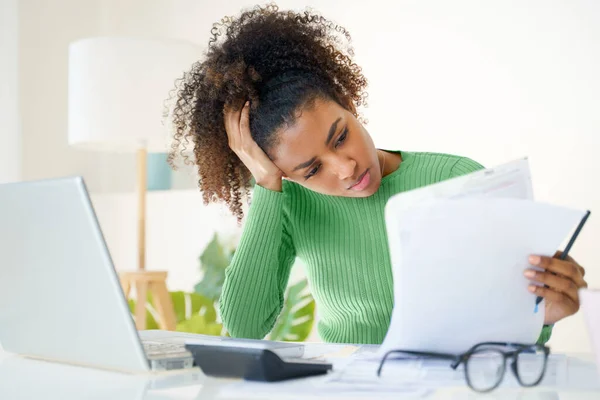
[60, 297]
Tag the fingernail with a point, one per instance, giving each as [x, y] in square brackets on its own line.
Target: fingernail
[247, 104]
[534, 260]
[531, 288]
[529, 273]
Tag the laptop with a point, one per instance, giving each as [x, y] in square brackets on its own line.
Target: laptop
[60, 296]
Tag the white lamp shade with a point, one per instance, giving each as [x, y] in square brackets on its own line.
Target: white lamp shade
[118, 88]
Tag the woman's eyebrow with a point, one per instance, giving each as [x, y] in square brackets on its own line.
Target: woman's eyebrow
[305, 164]
[332, 131]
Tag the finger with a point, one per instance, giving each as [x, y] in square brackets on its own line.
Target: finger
[231, 119]
[565, 268]
[558, 254]
[555, 282]
[244, 121]
[555, 297]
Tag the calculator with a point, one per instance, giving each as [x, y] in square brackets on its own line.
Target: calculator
[253, 363]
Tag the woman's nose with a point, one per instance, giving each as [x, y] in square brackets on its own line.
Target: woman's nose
[345, 168]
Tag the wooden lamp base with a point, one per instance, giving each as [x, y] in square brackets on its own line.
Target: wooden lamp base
[154, 282]
[144, 282]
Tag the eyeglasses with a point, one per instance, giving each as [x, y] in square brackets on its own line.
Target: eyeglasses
[485, 363]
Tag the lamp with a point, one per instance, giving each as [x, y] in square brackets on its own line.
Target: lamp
[117, 90]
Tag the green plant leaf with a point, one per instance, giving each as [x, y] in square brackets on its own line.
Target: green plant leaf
[150, 320]
[188, 305]
[297, 317]
[199, 324]
[213, 262]
[194, 313]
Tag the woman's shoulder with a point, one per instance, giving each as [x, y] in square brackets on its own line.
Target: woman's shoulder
[453, 164]
[429, 156]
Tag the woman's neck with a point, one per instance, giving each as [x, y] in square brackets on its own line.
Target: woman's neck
[390, 161]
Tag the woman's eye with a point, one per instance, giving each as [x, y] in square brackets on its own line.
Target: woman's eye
[342, 138]
[313, 171]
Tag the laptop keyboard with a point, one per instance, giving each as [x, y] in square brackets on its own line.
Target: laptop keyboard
[159, 348]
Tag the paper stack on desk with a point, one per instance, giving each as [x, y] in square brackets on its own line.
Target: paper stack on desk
[459, 249]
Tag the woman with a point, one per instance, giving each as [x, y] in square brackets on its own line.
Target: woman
[275, 100]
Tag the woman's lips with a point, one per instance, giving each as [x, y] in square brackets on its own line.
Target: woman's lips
[363, 182]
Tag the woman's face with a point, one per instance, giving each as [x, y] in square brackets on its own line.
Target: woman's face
[328, 151]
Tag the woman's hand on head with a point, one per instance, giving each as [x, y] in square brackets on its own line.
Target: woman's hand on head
[563, 279]
[264, 171]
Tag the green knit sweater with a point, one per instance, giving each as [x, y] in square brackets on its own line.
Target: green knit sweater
[343, 243]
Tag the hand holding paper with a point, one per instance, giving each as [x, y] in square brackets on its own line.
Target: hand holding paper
[564, 278]
[459, 250]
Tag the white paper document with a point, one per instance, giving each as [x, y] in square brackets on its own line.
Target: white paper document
[459, 249]
[324, 387]
[512, 180]
[435, 373]
[412, 378]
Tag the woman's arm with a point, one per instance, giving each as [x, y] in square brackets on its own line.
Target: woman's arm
[253, 291]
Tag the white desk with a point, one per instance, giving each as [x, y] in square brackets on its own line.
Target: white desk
[22, 378]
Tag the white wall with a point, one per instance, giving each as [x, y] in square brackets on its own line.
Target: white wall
[178, 229]
[492, 80]
[46, 29]
[10, 139]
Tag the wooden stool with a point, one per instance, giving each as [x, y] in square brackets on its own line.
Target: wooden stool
[155, 283]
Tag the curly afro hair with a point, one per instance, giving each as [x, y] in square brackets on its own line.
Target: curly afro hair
[282, 61]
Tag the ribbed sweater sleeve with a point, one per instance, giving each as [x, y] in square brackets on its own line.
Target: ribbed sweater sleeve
[545, 334]
[465, 166]
[253, 291]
